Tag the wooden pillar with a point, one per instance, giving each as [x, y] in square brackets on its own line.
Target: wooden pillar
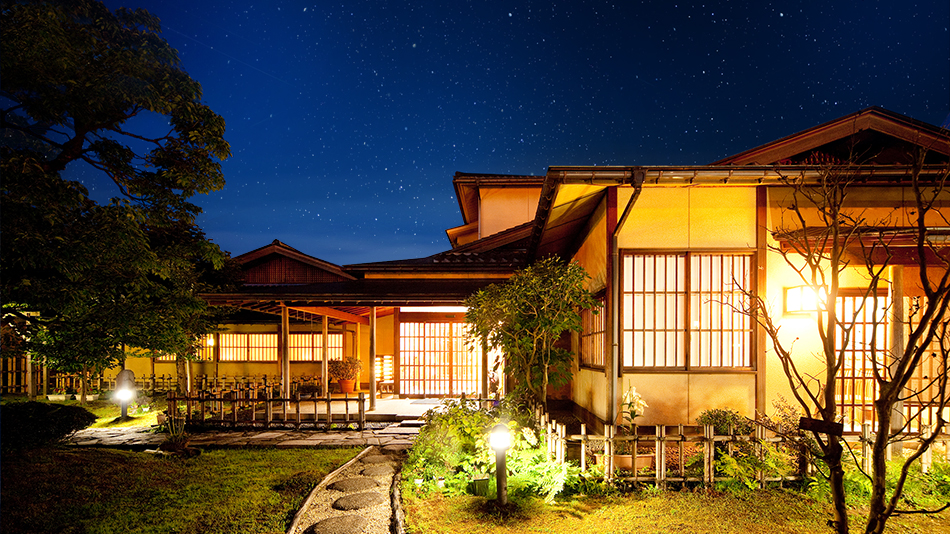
[30, 386]
[485, 392]
[284, 351]
[372, 358]
[896, 325]
[324, 368]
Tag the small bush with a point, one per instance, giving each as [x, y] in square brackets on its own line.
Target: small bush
[453, 446]
[726, 422]
[40, 424]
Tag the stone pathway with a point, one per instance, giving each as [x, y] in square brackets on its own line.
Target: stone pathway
[357, 498]
[396, 434]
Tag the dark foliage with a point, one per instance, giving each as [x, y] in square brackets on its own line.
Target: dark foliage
[39, 424]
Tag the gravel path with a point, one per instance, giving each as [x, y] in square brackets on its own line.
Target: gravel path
[318, 516]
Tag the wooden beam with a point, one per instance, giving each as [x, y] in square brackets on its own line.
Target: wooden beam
[332, 312]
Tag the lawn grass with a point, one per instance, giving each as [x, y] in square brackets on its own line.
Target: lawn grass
[99, 491]
[768, 511]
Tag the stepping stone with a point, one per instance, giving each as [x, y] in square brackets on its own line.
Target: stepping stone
[378, 471]
[353, 484]
[397, 447]
[377, 459]
[356, 501]
[344, 524]
[413, 422]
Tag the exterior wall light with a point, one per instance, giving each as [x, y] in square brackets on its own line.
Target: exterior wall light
[500, 442]
[803, 299]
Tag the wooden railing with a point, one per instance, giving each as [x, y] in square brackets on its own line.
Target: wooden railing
[260, 407]
[673, 441]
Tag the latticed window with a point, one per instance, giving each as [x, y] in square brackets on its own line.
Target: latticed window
[856, 387]
[683, 310]
[248, 347]
[204, 351]
[434, 359]
[922, 406]
[308, 347]
[592, 337]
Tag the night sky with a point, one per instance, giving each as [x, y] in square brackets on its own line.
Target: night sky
[347, 120]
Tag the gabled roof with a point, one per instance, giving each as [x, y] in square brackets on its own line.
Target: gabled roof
[467, 185]
[279, 263]
[870, 136]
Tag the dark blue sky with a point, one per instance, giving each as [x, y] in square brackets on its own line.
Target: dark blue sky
[347, 120]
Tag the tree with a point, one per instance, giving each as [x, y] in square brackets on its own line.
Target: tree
[525, 316]
[827, 240]
[80, 86]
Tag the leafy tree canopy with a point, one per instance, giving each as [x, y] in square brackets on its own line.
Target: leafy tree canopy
[525, 318]
[83, 85]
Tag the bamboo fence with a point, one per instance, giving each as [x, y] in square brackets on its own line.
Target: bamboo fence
[251, 407]
[675, 441]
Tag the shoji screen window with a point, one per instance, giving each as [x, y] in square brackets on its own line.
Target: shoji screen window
[592, 337]
[680, 310]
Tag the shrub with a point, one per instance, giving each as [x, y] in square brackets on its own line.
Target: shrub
[453, 446]
[726, 421]
[40, 424]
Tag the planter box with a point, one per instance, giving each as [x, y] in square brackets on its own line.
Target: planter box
[89, 398]
[627, 462]
[480, 486]
[57, 398]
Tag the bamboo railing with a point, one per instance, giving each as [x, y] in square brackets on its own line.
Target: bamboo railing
[252, 407]
[669, 440]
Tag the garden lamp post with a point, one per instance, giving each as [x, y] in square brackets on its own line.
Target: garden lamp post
[500, 442]
[125, 390]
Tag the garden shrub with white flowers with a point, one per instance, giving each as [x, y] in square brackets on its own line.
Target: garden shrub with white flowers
[452, 450]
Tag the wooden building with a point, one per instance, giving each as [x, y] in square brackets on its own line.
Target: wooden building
[668, 249]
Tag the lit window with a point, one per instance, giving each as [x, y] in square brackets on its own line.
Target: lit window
[683, 310]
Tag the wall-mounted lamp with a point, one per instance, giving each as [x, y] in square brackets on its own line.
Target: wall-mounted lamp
[210, 340]
[803, 299]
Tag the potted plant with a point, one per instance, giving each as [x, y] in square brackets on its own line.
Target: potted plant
[58, 394]
[345, 372]
[624, 455]
[92, 394]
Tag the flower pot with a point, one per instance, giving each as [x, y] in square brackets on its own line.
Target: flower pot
[58, 398]
[347, 386]
[89, 398]
[627, 462]
[480, 486]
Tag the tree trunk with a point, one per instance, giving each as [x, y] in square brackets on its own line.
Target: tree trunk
[82, 386]
[836, 480]
[877, 512]
[183, 373]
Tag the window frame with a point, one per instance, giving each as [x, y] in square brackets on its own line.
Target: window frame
[594, 338]
[686, 314]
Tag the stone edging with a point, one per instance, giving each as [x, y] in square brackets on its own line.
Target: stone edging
[397, 522]
[326, 480]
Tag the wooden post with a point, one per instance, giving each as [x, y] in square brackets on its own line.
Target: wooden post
[609, 432]
[362, 411]
[681, 453]
[234, 406]
[268, 409]
[760, 450]
[583, 447]
[660, 457]
[284, 355]
[709, 451]
[324, 367]
[372, 358]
